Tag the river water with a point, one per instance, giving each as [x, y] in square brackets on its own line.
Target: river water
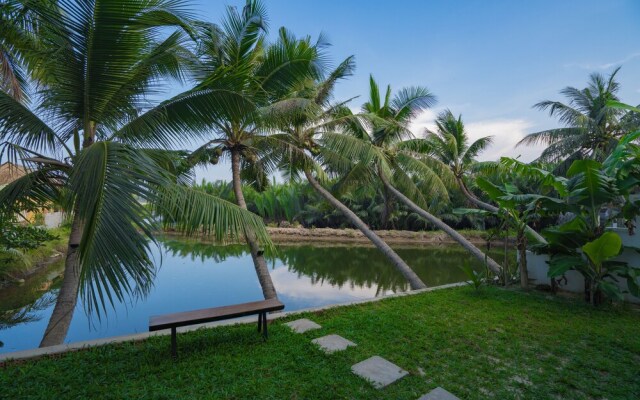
[195, 275]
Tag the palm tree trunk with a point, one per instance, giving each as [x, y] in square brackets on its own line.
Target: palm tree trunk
[387, 209]
[414, 281]
[268, 290]
[60, 320]
[472, 198]
[522, 250]
[486, 206]
[494, 266]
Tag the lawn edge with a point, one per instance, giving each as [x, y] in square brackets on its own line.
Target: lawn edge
[31, 354]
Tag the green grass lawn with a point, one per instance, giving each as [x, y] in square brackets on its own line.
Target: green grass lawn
[492, 344]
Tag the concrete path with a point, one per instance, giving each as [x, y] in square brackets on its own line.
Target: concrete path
[332, 343]
[438, 394]
[302, 325]
[378, 371]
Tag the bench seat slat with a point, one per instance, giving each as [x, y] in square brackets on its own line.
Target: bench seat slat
[179, 319]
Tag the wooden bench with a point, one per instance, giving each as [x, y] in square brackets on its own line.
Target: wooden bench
[176, 320]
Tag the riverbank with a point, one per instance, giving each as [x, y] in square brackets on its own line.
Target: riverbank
[492, 343]
[294, 235]
[37, 259]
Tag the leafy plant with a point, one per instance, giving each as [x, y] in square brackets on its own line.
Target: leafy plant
[582, 243]
[475, 278]
[15, 239]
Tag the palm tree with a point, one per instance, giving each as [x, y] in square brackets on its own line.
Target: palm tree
[91, 149]
[592, 127]
[17, 29]
[400, 158]
[450, 144]
[263, 73]
[299, 150]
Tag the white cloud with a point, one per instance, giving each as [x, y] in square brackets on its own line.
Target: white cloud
[507, 133]
[424, 121]
[592, 66]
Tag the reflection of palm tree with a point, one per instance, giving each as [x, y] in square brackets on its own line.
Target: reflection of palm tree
[39, 292]
[11, 318]
[366, 268]
[204, 251]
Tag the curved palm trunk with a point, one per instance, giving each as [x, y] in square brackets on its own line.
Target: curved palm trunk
[495, 267]
[268, 290]
[60, 320]
[414, 281]
[486, 206]
[472, 198]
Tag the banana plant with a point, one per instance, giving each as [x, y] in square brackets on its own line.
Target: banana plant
[515, 208]
[582, 243]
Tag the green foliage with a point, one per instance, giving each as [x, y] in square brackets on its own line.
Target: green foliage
[475, 278]
[603, 248]
[23, 237]
[15, 240]
[582, 243]
[295, 203]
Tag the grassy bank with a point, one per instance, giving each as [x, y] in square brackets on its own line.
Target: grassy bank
[492, 344]
[14, 268]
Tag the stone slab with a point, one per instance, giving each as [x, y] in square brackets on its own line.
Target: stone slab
[332, 343]
[438, 394]
[302, 325]
[378, 371]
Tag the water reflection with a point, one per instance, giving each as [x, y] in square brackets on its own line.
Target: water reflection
[20, 304]
[353, 265]
[197, 275]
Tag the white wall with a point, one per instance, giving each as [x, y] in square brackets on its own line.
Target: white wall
[537, 266]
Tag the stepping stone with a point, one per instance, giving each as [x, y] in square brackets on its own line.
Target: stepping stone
[438, 394]
[302, 325]
[378, 371]
[332, 343]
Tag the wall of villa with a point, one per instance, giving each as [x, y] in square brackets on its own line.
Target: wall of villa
[538, 267]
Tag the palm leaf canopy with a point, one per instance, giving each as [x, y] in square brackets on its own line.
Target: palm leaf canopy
[88, 135]
[358, 147]
[450, 143]
[591, 125]
[264, 73]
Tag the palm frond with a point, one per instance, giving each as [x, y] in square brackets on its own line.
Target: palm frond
[20, 126]
[408, 102]
[345, 69]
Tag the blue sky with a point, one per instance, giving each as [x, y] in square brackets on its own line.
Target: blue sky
[488, 60]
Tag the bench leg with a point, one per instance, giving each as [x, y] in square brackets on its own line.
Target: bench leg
[174, 349]
[265, 333]
[260, 322]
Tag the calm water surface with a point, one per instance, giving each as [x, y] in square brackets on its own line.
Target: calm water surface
[198, 275]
